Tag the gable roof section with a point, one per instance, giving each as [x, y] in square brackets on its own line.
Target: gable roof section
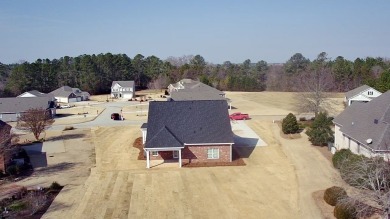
[37, 94]
[189, 122]
[22, 104]
[190, 85]
[123, 83]
[64, 91]
[357, 91]
[188, 89]
[362, 121]
[163, 138]
[4, 127]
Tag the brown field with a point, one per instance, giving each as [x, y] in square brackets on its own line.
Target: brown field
[278, 180]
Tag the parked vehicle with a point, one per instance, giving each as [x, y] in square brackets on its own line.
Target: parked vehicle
[239, 116]
[65, 106]
[115, 116]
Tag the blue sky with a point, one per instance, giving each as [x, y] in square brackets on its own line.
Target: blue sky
[218, 30]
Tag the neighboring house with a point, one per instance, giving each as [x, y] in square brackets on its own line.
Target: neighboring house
[12, 107]
[364, 128]
[188, 89]
[35, 93]
[363, 93]
[193, 131]
[81, 95]
[66, 94]
[123, 89]
[189, 85]
[5, 141]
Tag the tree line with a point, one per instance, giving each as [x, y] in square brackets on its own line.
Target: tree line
[95, 73]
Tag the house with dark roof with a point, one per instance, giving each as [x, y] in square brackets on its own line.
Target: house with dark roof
[363, 94]
[188, 131]
[123, 89]
[66, 94]
[188, 89]
[5, 141]
[364, 128]
[12, 107]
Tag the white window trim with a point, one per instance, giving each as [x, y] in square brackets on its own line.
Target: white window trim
[154, 153]
[1, 116]
[213, 153]
[175, 153]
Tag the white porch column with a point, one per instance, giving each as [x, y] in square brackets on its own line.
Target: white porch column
[230, 106]
[180, 158]
[147, 160]
[231, 152]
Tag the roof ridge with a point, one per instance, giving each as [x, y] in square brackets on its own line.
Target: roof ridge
[169, 131]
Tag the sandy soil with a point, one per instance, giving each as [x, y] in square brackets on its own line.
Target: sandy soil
[275, 103]
[120, 186]
[278, 182]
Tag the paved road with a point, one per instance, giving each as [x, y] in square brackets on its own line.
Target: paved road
[104, 119]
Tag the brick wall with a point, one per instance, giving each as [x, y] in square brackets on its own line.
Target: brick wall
[196, 153]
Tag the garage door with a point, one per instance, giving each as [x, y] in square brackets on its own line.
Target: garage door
[78, 99]
[72, 100]
[128, 96]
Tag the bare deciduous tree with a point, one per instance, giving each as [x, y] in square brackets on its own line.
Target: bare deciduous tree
[36, 201]
[35, 121]
[371, 176]
[161, 82]
[314, 84]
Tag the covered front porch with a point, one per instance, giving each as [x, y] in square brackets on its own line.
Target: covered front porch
[160, 155]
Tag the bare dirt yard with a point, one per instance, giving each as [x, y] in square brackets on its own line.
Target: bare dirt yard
[278, 180]
[277, 103]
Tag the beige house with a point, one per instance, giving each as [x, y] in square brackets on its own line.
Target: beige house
[363, 94]
[364, 128]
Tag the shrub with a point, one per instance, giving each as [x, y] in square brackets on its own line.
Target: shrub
[302, 119]
[320, 132]
[333, 194]
[290, 124]
[55, 186]
[68, 128]
[17, 206]
[341, 156]
[344, 211]
[12, 170]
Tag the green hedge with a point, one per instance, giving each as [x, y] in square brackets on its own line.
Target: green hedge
[344, 211]
[333, 194]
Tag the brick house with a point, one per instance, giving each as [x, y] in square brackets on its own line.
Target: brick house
[188, 131]
[5, 141]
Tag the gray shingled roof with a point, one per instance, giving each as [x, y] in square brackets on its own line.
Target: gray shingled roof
[64, 91]
[362, 121]
[174, 123]
[4, 126]
[356, 91]
[38, 94]
[195, 86]
[198, 95]
[123, 83]
[22, 104]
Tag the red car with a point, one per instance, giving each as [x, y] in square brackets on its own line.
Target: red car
[239, 116]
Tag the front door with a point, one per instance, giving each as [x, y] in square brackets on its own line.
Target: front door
[175, 154]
